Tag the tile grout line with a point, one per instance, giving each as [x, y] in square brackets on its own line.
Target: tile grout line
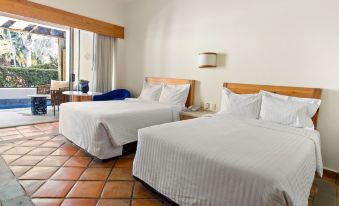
[69, 157]
[23, 133]
[26, 154]
[104, 182]
[36, 165]
[131, 202]
[75, 181]
[27, 138]
[45, 156]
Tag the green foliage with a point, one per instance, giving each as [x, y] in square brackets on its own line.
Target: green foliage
[26, 77]
[21, 59]
[35, 59]
[46, 66]
[6, 48]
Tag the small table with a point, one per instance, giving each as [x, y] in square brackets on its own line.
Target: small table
[39, 103]
[191, 115]
[78, 96]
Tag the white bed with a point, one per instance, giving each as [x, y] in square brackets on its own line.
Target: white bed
[231, 160]
[102, 128]
[224, 160]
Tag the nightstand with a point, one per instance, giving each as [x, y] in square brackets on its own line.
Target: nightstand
[191, 115]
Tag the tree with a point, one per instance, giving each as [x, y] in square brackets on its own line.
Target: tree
[45, 48]
[28, 49]
[6, 49]
[20, 48]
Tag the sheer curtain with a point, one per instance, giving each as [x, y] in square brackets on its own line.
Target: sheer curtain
[104, 62]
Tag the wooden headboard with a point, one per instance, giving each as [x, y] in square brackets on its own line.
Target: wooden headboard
[159, 80]
[303, 92]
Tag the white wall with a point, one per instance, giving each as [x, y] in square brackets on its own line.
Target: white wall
[291, 42]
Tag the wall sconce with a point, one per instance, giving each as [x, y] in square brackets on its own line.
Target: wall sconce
[207, 60]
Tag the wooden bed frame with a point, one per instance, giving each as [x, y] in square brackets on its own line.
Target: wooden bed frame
[160, 80]
[303, 92]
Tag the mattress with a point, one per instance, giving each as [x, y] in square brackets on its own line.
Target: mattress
[224, 160]
[103, 127]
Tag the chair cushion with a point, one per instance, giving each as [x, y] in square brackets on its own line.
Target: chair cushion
[56, 85]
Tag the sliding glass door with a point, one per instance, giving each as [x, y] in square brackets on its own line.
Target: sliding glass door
[82, 57]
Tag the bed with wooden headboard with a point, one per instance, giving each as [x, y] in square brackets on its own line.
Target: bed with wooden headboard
[227, 160]
[107, 129]
[303, 92]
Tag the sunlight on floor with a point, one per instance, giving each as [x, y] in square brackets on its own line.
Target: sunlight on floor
[23, 116]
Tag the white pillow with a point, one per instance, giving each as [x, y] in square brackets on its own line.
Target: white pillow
[175, 94]
[243, 105]
[151, 92]
[312, 104]
[291, 111]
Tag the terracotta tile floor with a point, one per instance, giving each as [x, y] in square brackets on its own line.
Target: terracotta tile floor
[53, 171]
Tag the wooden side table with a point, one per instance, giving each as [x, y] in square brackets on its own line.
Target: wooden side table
[78, 96]
[191, 115]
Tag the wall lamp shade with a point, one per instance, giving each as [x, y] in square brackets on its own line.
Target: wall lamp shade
[207, 60]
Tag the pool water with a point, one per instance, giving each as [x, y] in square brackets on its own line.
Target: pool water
[17, 103]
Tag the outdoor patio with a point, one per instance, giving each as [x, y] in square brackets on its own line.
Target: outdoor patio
[32, 55]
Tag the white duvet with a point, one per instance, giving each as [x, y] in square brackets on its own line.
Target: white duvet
[101, 126]
[224, 160]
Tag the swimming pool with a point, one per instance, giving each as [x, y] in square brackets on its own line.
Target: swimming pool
[17, 103]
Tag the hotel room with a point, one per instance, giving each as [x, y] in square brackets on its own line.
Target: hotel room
[196, 102]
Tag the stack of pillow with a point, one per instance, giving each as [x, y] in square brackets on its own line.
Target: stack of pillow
[286, 110]
[165, 93]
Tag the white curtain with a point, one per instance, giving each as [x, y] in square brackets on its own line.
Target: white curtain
[104, 63]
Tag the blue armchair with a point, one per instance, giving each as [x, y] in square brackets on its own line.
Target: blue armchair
[118, 94]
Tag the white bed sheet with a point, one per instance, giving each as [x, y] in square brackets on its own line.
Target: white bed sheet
[225, 160]
[103, 127]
